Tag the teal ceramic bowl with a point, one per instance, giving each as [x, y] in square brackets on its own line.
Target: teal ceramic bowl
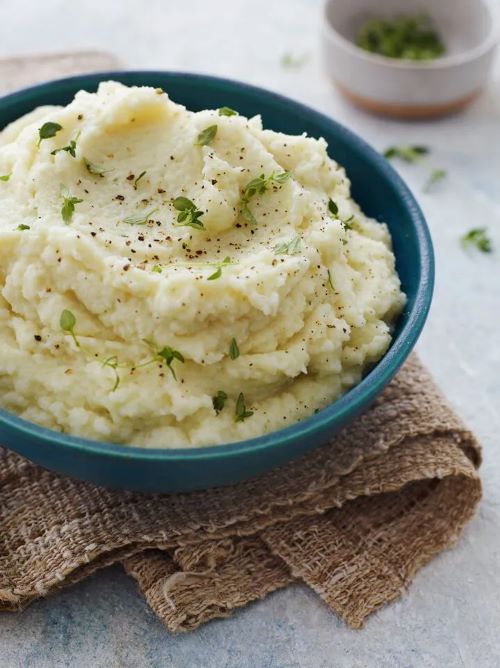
[381, 194]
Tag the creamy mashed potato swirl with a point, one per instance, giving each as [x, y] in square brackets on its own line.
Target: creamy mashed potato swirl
[168, 284]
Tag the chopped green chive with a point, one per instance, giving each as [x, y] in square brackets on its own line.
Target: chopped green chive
[206, 136]
[234, 351]
[218, 401]
[477, 238]
[139, 218]
[68, 207]
[227, 111]
[241, 412]
[67, 322]
[409, 37]
[188, 214]
[141, 175]
[293, 247]
[47, 131]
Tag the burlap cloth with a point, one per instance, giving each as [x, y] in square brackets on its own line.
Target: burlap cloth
[354, 519]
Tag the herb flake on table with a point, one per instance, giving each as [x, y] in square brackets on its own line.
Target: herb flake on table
[206, 136]
[68, 207]
[435, 177]
[409, 154]
[218, 401]
[67, 323]
[477, 238]
[47, 131]
[241, 413]
[189, 215]
[294, 60]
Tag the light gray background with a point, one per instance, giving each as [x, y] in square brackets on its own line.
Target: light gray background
[451, 616]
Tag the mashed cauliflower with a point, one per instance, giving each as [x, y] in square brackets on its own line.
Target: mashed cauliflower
[171, 278]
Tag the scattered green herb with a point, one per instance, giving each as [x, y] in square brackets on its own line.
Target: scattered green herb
[406, 153]
[477, 238]
[206, 136]
[227, 111]
[70, 148]
[112, 363]
[68, 207]
[410, 37]
[141, 175]
[330, 282]
[168, 354]
[156, 269]
[67, 322]
[436, 176]
[92, 168]
[5, 177]
[293, 247]
[241, 412]
[189, 215]
[294, 60]
[219, 266]
[332, 207]
[22, 227]
[47, 131]
[258, 186]
[218, 401]
[139, 218]
[234, 351]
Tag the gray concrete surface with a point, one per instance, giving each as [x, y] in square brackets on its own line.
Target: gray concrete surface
[451, 616]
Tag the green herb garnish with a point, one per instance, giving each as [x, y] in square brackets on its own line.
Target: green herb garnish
[218, 272]
[67, 322]
[70, 148]
[292, 247]
[410, 37]
[234, 351]
[436, 176]
[241, 412]
[156, 269]
[227, 111]
[406, 153]
[332, 207]
[258, 186]
[330, 282]
[168, 354]
[92, 168]
[22, 227]
[112, 363]
[206, 136]
[141, 175]
[5, 177]
[218, 401]
[189, 214]
[139, 218]
[68, 207]
[47, 131]
[478, 238]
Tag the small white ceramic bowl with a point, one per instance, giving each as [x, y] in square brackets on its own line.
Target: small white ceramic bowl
[406, 88]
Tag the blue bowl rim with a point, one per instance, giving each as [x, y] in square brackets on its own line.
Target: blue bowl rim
[341, 408]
